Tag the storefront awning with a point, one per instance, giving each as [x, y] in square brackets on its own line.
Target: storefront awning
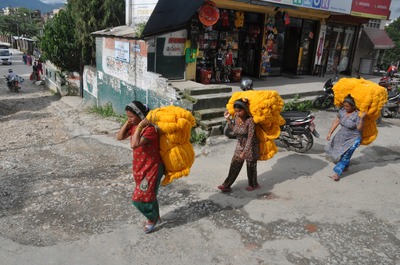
[170, 15]
[379, 38]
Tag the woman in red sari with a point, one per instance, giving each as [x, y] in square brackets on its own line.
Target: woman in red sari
[148, 167]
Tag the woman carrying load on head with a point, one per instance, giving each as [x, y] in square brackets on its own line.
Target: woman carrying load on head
[148, 167]
[348, 138]
[247, 148]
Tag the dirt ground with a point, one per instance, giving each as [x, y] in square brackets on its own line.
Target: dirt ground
[58, 183]
[65, 198]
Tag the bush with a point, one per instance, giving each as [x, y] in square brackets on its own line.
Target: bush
[297, 104]
[198, 138]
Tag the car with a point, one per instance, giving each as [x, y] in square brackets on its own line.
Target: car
[5, 56]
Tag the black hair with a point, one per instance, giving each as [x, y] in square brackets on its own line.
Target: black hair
[241, 104]
[143, 108]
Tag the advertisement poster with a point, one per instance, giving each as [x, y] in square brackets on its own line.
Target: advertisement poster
[175, 43]
[371, 9]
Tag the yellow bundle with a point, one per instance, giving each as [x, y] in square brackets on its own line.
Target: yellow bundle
[265, 106]
[369, 97]
[174, 127]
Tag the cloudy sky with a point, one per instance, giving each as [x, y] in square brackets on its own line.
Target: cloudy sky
[395, 8]
[52, 1]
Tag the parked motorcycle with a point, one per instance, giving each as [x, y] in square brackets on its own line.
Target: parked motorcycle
[13, 84]
[391, 108]
[388, 82]
[326, 100]
[297, 133]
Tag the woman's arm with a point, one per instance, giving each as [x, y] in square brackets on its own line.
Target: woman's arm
[123, 133]
[137, 140]
[335, 124]
[360, 125]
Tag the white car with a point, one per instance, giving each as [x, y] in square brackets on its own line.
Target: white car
[5, 56]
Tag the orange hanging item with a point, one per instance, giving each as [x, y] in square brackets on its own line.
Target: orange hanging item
[208, 14]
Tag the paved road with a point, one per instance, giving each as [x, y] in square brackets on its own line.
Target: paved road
[65, 189]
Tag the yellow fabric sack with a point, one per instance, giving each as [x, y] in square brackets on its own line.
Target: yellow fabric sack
[369, 97]
[265, 106]
[174, 127]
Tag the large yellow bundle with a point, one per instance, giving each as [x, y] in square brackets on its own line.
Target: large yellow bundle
[369, 97]
[174, 126]
[265, 106]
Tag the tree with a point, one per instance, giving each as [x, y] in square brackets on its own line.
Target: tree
[91, 16]
[393, 30]
[58, 43]
[68, 41]
[21, 23]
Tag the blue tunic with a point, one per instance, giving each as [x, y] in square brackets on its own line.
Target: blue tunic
[346, 136]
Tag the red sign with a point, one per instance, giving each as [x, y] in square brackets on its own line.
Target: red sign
[375, 9]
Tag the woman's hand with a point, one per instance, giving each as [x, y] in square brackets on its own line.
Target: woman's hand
[227, 115]
[143, 123]
[241, 155]
[363, 114]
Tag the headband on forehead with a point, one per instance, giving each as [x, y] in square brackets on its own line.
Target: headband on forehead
[350, 101]
[136, 110]
[241, 104]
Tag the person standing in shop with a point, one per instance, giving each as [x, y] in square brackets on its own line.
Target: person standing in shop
[228, 62]
[218, 64]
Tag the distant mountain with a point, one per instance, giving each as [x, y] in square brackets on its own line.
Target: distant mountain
[31, 4]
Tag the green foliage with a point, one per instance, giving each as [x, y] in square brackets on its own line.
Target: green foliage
[68, 41]
[104, 111]
[393, 30]
[198, 138]
[139, 29]
[22, 22]
[58, 43]
[297, 104]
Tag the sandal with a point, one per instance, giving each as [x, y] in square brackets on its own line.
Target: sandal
[150, 226]
[250, 188]
[335, 177]
[223, 188]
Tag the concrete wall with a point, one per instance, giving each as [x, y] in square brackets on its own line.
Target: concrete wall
[121, 76]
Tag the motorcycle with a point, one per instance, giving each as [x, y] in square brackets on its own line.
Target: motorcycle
[296, 134]
[326, 100]
[13, 84]
[388, 82]
[391, 108]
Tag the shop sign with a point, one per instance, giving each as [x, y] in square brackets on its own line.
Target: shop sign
[122, 51]
[371, 9]
[175, 44]
[338, 6]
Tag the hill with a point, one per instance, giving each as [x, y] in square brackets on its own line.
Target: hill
[31, 4]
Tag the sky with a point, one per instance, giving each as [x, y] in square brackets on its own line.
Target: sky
[395, 9]
[52, 1]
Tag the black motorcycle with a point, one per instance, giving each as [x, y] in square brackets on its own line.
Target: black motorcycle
[296, 134]
[391, 108]
[326, 100]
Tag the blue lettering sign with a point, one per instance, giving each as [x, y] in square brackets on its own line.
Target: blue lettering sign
[316, 3]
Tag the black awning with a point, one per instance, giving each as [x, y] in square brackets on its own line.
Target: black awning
[170, 15]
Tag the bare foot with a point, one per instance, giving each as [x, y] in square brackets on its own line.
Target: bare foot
[335, 177]
[250, 188]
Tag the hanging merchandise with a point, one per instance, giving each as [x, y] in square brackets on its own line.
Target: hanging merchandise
[225, 19]
[208, 14]
[287, 19]
[254, 31]
[279, 21]
[239, 22]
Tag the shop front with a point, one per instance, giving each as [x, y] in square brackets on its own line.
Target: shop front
[229, 39]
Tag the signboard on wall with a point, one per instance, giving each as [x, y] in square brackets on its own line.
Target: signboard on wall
[122, 51]
[338, 6]
[142, 9]
[371, 9]
[174, 43]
